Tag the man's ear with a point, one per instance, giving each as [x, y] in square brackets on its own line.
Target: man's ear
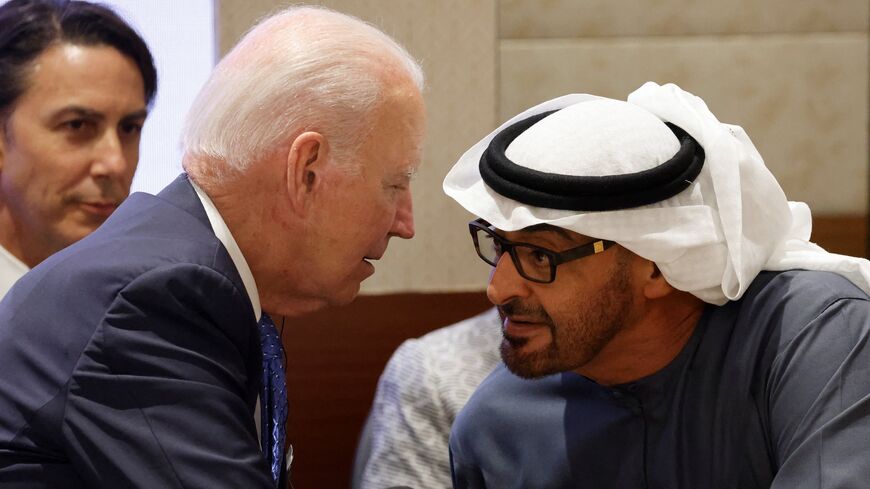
[306, 162]
[655, 286]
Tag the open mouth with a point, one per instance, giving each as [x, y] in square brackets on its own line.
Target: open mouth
[520, 326]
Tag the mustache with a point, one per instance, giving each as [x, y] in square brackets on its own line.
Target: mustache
[528, 312]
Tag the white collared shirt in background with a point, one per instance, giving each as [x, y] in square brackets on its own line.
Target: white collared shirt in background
[11, 269]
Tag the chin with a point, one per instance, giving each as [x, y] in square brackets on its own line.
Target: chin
[339, 294]
[66, 239]
[296, 307]
[529, 364]
[295, 302]
[72, 232]
[344, 297]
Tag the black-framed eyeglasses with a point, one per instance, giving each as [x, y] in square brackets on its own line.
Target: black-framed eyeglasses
[532, 262]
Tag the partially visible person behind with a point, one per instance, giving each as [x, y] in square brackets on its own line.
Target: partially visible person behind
[138, 356]
[75, 86]
[667, 323]
[423, 387]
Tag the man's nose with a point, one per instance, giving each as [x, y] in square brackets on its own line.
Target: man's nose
[110, 159]
[403, 222]
[505, 282]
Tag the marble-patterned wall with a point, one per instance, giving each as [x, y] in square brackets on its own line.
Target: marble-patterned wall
[794, 73]
[528, 19]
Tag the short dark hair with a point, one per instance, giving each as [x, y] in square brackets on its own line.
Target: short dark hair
[29, 27]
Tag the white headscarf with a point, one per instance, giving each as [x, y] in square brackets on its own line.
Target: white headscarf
[710, 240]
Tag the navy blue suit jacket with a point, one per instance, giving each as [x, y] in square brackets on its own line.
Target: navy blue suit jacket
[132, 359]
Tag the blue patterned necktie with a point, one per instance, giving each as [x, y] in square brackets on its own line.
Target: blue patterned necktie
[273, 396]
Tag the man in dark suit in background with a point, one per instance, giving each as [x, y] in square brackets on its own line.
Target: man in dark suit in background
[134, 358]
[75, 85]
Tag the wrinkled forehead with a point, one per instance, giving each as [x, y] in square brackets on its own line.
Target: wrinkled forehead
[595, 138]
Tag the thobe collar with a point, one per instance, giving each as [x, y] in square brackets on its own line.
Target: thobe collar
[223, 234]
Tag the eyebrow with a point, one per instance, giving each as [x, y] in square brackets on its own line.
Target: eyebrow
[406, 175]
[412, 172]
[93, 114]
[139, 114]
[538, 228]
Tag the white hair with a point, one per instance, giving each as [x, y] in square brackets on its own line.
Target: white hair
[304, 68]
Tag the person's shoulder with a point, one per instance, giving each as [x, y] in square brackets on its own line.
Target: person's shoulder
[505, 407]
[501, 384]
[488, 395]
[448, 363]
[146, 232]
[472, 342]
[124, 257]
[817, 282]
[801, 289]
[142, 237]
[463, 353]
[783, 304]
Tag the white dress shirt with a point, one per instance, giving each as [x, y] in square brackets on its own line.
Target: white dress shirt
[223, 234]
[11, 269]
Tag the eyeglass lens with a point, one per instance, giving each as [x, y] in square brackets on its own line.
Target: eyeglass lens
[530, 262]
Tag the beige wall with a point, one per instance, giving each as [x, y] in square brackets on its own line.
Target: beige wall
[794, 73]
[455, 41]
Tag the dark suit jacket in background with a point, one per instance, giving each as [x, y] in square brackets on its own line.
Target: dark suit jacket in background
[132, 359]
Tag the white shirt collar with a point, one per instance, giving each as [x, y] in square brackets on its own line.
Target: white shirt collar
[222, 232]
[11, 269]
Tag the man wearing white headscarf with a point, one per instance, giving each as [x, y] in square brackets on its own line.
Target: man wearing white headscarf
[666, 321]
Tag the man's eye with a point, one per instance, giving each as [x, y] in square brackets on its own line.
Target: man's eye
[78, 128]
[75, 124]
[539, 257]
[131, 128]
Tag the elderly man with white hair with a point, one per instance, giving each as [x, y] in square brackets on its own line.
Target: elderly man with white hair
[140, 356]
[666, 322]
